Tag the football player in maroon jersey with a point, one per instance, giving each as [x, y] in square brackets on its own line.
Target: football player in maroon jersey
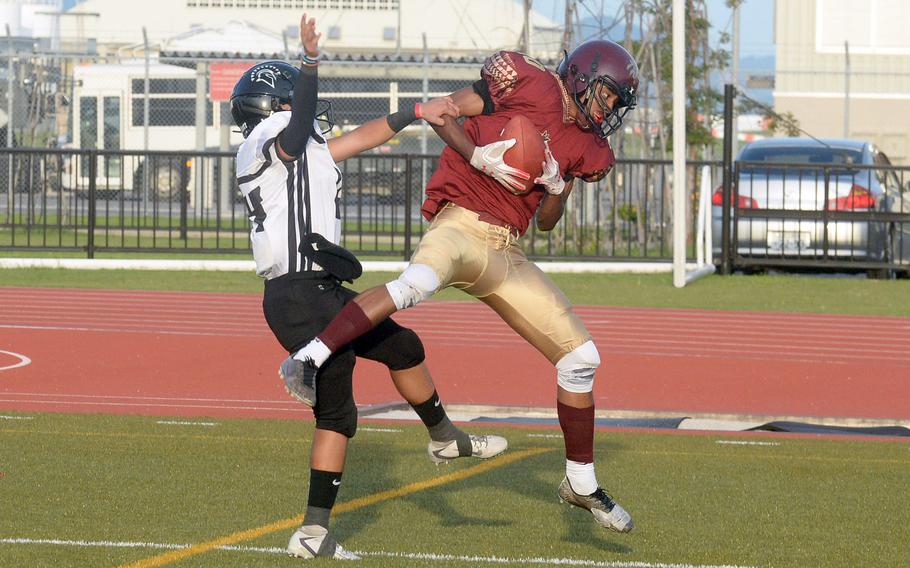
[479, 209]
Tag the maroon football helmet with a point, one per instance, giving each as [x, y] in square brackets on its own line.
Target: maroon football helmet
[588, 69]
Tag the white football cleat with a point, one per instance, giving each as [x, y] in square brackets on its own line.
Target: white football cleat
[311, 541]
[607, 512]
[482, 447]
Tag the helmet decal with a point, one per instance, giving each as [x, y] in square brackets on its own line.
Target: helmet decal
[265, 75]
[261, 90]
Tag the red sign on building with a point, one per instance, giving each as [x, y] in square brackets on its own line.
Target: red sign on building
[223, 75]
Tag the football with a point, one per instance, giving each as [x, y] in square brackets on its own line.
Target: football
[528, 152]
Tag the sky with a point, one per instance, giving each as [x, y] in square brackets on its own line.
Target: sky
[756, 23]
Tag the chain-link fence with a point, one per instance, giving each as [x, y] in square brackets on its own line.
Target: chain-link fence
[180, 103]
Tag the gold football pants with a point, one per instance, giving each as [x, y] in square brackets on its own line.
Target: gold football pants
[486, 261]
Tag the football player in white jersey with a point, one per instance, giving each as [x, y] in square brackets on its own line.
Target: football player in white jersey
[287, 173]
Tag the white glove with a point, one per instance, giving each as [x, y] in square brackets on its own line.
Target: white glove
[488, 159]
[550, 178]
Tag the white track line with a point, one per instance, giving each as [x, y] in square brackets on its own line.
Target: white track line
[23, 360]
[422, 556]
[251, 302]
[183, 423]
[77, 403]
[746, 443]
[288, 402]
[623, 331]
[803, 348]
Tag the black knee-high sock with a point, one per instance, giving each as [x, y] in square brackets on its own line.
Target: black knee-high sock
[323, 491]
[434, 417]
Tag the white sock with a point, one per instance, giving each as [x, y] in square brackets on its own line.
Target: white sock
[315, 350]
[581, 477]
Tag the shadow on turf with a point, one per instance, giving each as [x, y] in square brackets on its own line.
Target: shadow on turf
[521, 480]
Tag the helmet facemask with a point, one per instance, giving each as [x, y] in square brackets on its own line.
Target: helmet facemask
[324, 121]
[585, 93]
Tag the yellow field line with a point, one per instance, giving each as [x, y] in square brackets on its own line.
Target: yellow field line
[358, 503]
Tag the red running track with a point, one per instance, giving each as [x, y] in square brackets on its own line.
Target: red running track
[201, 354]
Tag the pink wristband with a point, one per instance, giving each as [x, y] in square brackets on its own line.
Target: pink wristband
[417, 110]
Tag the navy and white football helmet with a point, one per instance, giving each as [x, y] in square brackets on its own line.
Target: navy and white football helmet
[262, 89]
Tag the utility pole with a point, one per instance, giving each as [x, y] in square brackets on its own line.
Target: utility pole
[846, 90]
[567, 26]
[526, 32]
[735, 81]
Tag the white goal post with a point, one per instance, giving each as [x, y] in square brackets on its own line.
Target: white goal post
[703, 239]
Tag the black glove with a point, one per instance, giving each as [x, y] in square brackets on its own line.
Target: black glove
[334, 259]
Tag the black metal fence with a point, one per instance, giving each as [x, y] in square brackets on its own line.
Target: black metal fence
[854, 217]
[183, 202]
[845, 217]
[808, 203]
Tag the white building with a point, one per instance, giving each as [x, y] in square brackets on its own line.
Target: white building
[30, 18]
[843, 69]
[463, 27]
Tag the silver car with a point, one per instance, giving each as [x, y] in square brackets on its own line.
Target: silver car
[800, 181]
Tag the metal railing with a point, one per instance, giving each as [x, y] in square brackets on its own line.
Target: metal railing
[96, 201]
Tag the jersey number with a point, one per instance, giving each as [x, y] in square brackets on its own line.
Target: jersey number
[254, 206]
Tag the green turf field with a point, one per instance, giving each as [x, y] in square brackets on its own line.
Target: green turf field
[785, 293]
[110, 489]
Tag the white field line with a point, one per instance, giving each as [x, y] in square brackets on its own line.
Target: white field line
[746, 443]
[389, 430]
[184, 423]
[17, 417]
[423, 556]
[544, 435]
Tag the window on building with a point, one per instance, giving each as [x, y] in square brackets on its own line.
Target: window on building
[388, 33]
[334, 32]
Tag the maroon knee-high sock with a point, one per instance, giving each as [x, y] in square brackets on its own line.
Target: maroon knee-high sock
[578, 431]
[349, 324]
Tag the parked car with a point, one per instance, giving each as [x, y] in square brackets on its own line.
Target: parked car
[798, 180]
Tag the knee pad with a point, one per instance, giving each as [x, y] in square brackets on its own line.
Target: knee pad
[417, 283]
[344, 422]
[575, 371]
[406, 350]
